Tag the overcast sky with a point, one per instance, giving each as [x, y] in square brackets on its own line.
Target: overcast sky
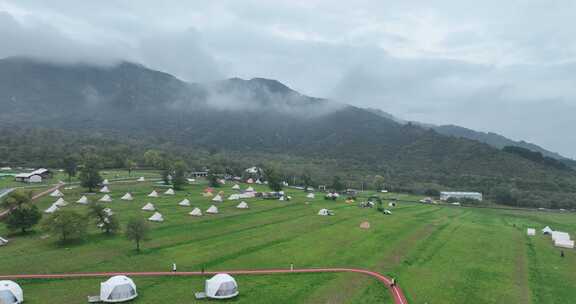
[492, 65]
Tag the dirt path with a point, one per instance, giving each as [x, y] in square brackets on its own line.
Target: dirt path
[521, 271]
[395, 291]
[35, 197]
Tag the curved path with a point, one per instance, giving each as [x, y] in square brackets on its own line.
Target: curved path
[396, 292]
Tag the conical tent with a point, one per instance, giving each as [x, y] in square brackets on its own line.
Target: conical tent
[547, 230]
[310, 195]
[212, 210]
[127, 197]
[196, 212]
[148, 207]
[104, 189]
[51, 209]
[60, 202]
[236, 187]
[258, 182]
[56, 193]
[217, 198]
[169, 192]
[105, 182]
[249, 189]
[105, 198]
[83, 200]
[108, 211]
[141, 179]
[118, 289]
[11, 293]
[3, 241]
[156, 217]
[242, 205]
[185, 202]
[221, 286]
[153, 194]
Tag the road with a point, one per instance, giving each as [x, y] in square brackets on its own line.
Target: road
[395, 291]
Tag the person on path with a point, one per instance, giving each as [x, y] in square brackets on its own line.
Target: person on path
[173, 267]
[561, 253]
[393, 283]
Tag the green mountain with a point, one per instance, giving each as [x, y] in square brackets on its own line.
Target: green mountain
[137, 108]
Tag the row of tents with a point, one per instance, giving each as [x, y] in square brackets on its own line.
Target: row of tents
[121, 288]
[561, 239]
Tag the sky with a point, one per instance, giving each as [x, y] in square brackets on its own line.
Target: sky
[501, 66]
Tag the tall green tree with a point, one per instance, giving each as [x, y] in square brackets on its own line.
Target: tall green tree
[379, 182]
[213, 180]
[179, 178]
[337, 184]
[130, 166]
[107, 223]
[153, 158]
[273, 178]
[90, 175]
[70, 165]
[137, 231]
[306, 180]
[22, 215]
[68, 224]
[17, 199]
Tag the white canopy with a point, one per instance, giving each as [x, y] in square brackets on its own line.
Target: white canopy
[60, 202]
[242, 205]
[217, 198]
[531, 231]
[238, 196]
[127, 197]
[185, 202]
[236, 187]
[559, 235]
[141, 179]
[118, 289]
[148, 207]
[83, 200]
[169, 192]
[51, 209]
[11, 293]
[105, 189]
[156, 217]
[105, 182]
[249, 189]
[196, 212]
[547, 230]
[153, 194]
[105, 198]
[213, 210]
[323, 212]
[310, 195]
[221, 286]
[56, 193]
[563, 243]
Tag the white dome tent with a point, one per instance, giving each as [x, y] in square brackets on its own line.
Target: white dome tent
[212, 210]
[83, 200]
[104, 189]
[118, 289]
[221, 286]
[56, 193]
[153, 194]
[127, 197]
[169, 192]
[184, 203]
[196, 212]
[242, 205]
[149, 207]
[106, 198]
[156, 217]
[11, 293]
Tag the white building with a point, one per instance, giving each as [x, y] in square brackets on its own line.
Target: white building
[444, 196]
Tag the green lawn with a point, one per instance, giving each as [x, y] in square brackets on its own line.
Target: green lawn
[439, 254]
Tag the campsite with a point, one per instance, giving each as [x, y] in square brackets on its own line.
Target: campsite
[438, 253]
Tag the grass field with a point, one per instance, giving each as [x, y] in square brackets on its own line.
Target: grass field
[439, 254]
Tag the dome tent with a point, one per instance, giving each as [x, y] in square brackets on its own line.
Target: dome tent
[156, 217]
[105, 189]
[83, 200]
[127, 197]
[56, 193]
[184, 203]
[242, 205]
[105, 198]
[118, 289]
[221, 286]
[148, 207]
[213, 210]
[196, 212]
[153, 194]
[11, 293]
[169, 192]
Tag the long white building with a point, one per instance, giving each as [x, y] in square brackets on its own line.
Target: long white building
[444, 196]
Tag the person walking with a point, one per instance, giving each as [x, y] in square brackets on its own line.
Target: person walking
[173, 267]
[393, 283]
[561, 253]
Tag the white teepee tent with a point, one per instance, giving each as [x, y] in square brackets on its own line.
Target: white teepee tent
[185, 203]
[212, 210]
[196, 212]
[156, 217]
[217, 198]
[236, 187]
[249, 189]
[242, 205]
[83, 200]
[51, 209]
[127, 197]
[153, 194]
[141, 179]
[169, 192]
[105, 198]
[105, 182]
[310, 195]
[60, 202]
[148, 207]
[56, 193]
[105, 190]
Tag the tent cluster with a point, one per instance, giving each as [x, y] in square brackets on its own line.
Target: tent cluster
[561, 239]
[60, 202]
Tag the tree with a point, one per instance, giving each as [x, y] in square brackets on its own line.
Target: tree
[307, 180]
[89, 175]
[70, 165]
[130, 165]
[379, 182]
[23, 218]
[153, 158]
[137, 231]
[68, 224]
[107, 223]
[179, 178]
[337, 184]
[17, 199]
[213, 180]
[273, 178]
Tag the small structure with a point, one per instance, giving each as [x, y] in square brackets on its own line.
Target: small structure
[153, 194]
[562, 243]
[56, 193]
[547, 230]
[83, 200]
[199, 174]
[51, 209]
[106, 198]
[531, 231]
[392, 204]
[212, 210]
[60, 202]
[118, 289]
[184, 203]
[250, 181]
[221, 286]
[249, 189]
[444, 196]
[108, 211]
[365, 225]
[149, 207]
[387, 212]
[156, 217]
[105, 182]
[258, 182]
[104, 189]
[217, 198]
[127, 197]
[11, 293]
[325, 212]
[236, 187]
[141, 179]
[196, 212]
[3, 241]
[310, 195]
[35, 176]
[169, 192]
[242, 205]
